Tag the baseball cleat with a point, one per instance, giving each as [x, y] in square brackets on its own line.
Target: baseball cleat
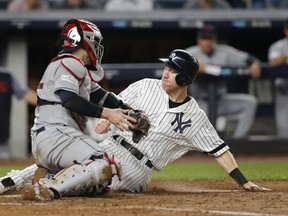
[6, 184]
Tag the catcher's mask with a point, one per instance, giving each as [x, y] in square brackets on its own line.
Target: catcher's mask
[82, 34]
[185, 64]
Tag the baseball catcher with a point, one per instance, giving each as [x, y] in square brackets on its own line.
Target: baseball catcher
[68, 93]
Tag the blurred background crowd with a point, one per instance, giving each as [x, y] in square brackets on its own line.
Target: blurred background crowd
[141, 5]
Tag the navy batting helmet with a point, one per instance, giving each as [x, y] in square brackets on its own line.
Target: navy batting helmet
[185, 64]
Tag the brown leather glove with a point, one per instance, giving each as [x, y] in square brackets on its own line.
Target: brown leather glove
[141, 126]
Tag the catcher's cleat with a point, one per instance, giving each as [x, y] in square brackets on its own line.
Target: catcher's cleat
[38, 192]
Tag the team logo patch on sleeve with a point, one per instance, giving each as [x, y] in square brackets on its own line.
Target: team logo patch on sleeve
[69, 78]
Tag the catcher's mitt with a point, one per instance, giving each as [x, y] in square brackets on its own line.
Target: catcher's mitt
[141, 126]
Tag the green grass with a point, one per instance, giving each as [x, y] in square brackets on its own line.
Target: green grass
[211, 170]
[5, 169]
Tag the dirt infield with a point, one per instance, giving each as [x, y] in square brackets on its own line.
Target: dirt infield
[164, 198]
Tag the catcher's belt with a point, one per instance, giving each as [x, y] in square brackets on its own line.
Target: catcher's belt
[41, 102]
[134, 151]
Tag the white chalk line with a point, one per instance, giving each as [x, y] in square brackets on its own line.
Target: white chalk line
[133, 194]
[209, 191]
[167, 208]
[11, 196]
[198, 210]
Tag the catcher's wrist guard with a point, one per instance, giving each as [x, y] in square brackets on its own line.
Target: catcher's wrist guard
[110, 100]
[237, 175]
[142, 125]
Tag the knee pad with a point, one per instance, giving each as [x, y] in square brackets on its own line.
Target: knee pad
[100, 170]
[79, 179]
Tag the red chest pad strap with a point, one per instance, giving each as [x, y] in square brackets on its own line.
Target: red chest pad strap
[73, 65]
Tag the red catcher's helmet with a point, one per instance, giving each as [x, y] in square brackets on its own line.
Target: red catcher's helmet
[78, 33]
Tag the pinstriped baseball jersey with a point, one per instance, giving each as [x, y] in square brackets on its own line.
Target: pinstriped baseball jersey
[173, 132]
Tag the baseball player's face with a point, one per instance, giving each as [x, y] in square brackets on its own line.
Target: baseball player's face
[168, 79]
[206, 45]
